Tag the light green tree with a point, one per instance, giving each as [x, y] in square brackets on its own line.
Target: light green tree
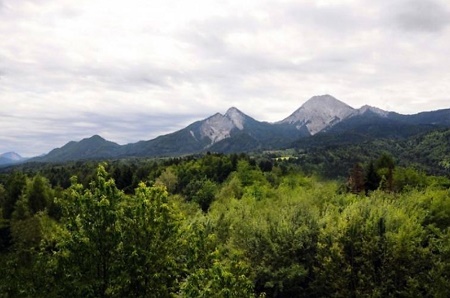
[88, 254]
[149, 251]
[212, 269]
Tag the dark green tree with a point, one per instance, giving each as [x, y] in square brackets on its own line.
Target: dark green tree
[202, 192]
[372, 178]
[39, 194]
[14, 187]
[385, 166]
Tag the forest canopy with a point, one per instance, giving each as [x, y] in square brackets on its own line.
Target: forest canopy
[223, 226]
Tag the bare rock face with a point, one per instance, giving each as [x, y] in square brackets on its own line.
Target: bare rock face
[237, 117]
[366, 108]
[319, 113]
[219, 127]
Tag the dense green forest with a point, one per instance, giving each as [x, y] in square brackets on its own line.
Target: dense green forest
[224, 226]
[332, 156]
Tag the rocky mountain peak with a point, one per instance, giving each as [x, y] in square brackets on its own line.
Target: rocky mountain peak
[319, 113]
[219, 127]
[216, 128]
[327, 104]
[236, 116]
[366, 108]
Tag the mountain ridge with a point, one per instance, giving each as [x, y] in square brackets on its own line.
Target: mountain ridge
[235, 131]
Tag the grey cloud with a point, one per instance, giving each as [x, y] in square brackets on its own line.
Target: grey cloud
[207, 37]
[221, 61]
[59, 72]
[124, 128]
[265, 60]
[126, 77]
[422, 15]
[337, 18]
[217, 60]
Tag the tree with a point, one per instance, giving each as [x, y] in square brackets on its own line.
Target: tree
[211, 269]
[39, 194]
[14, 187]
[385, 169]
[118, 245]
[372, 178]
[356, 180]
[372, 247]
[2, 199]
[123, 177]
[201, 191]
[88, 255]
[169, 179]
[149, 251]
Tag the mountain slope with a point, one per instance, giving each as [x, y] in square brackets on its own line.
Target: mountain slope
[10, 158]
[94, 147]
[439, 117]
[428, 151]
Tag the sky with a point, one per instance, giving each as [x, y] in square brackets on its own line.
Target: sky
[132, 70]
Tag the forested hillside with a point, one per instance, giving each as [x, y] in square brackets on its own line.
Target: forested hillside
[224, 226]
[332, 156]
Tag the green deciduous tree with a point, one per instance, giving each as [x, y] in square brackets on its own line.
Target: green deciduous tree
[150, 244]
[211, 269]
[169, 179]
[374, 247]
[89, 253]
[201, 191]
[118, 245]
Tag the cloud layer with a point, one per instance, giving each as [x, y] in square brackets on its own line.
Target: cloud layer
[133, 70]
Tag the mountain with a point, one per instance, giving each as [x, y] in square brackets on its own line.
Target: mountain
[94, 147]
[337, 122]
[321, 121]
[368, 110]
[10, 158]
[319, 113]
[232, 132]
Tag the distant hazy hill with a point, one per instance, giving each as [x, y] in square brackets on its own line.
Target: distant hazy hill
[10, 158]
[320, 121]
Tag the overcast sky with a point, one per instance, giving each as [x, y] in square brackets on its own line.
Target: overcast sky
[132, 70]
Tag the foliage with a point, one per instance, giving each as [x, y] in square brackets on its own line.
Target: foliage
[225, 226]
[150, 238]
[213, 270]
